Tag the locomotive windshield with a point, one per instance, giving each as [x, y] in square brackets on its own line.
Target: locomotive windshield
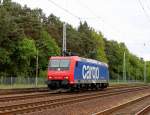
[59, 64]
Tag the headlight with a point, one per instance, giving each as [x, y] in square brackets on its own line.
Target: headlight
[50, 77]
[66, 77]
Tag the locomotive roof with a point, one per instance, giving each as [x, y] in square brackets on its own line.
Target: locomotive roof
[93, 61]
[80, 58]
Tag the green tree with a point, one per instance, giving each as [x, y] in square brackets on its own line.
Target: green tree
[47, 47]
[10, 35]
[24, 31]
[99, 47]
[26, 52]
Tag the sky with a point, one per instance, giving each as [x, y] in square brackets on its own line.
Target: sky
[125, 21]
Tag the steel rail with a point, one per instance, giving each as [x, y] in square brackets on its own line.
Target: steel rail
[36, 106]
[144, 111]
[121, 106]
[52, 93]
[22, 90]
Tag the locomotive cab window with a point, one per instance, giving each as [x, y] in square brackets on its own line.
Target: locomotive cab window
[59, 64]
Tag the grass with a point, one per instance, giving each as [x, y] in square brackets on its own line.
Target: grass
[127, 83]
[17, 86]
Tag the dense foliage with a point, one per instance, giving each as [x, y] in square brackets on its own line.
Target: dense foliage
[24, 33]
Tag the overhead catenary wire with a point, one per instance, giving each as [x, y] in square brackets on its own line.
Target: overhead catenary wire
[67, 11]
[90, 10]
[81, 18]
[98, 17]
[70, 13]
[146, 14]
[86, 18]
[148, 7]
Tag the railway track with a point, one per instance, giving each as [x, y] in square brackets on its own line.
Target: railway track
[42, 89]
[113, 110]
[22, 90]
[49, 104]
[144, 111]
[53, 93]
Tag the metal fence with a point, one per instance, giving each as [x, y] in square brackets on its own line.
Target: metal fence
[126, 82]
[21, 82]
[30, 82]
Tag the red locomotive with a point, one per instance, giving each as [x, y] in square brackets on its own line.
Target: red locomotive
[76, 72]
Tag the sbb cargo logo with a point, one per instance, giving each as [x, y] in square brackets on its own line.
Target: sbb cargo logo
[90, 72]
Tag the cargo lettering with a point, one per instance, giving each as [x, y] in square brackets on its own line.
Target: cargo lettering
[90, 72]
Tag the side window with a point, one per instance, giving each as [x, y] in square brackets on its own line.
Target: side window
[76, 63]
